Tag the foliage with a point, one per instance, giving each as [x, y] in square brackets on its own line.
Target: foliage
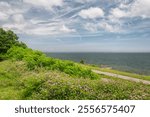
[3, 57]
[82, 61]
[35, 59]
[7, 40]
[16, 82]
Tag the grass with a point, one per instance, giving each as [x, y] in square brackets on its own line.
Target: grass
[36, 59]
[18, 82]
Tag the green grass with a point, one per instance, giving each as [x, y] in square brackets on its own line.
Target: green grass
[18, 82]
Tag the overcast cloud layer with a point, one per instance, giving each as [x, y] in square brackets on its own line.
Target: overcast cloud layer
[79, 25]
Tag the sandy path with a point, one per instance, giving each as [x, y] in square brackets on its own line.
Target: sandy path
[122, 77]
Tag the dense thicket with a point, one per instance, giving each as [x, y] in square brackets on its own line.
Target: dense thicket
[8, 39]
[35, 59]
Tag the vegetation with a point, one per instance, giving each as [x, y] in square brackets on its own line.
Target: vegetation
[30, 74]
[82, 61]
[7, 40]
[35, 59]
[18, 82]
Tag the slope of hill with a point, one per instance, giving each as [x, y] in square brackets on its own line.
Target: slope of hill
[18, 82]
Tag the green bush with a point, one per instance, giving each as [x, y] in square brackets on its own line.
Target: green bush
[9, 39]
[36, 59]
[3, 57]
[31, 85]
[82, 61]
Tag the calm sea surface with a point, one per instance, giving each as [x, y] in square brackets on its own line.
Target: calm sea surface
[131, 62]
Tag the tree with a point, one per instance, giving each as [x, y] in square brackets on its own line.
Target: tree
[7, 40]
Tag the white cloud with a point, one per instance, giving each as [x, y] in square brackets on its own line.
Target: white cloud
[53, 29]
[36, 21]
[140, 8]
[94, 27]
[118, 13]
[66, 29]
[18, 18]
[7, 10]
[109, 28]
[27, 27]
[17, 23]
[3, 16]
[12, 16]
[46, 4]
[137, 8]
[18, 28]
[91, 27]
[91, 13]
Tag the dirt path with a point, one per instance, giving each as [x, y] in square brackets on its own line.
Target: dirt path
[122, 77]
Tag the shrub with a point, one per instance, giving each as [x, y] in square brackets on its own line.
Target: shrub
[3, 57]
[9, 39]
[31, 85]
[82, 61]
[36, 59]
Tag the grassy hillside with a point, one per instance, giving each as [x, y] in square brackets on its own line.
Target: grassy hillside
[36, 59]
[17, 81]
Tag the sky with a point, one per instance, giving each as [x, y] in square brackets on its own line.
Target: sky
[79, 25]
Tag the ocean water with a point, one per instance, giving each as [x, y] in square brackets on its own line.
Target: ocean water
[130, 62]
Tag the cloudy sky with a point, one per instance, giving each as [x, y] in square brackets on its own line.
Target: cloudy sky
[79, 25]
